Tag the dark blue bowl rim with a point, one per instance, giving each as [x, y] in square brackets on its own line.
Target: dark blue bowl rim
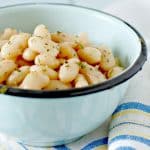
[137, 66]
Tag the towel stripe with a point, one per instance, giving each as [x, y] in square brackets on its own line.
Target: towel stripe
[102, 147]
[130, 137]
[61, 147]
[125, 148]
[133, 105]
[96, 143]
[130, 123]
[114, 133]
[23, 146]
[130, 111]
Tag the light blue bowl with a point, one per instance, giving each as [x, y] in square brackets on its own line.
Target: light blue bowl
[41, 118]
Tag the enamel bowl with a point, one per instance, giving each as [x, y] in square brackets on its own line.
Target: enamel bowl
[48, 118]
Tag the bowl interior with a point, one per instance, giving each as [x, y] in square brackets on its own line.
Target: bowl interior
[102, 28]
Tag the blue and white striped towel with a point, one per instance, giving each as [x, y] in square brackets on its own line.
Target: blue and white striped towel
[130, 127]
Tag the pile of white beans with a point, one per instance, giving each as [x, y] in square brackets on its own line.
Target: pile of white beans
[53, 61]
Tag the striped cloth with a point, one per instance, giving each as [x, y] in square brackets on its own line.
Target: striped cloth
[127, 129]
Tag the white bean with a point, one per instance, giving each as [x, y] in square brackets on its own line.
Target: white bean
[38, 44]
[92, 74]
[83, 39]
[29, 54]
[17, 76]
[41, 30]
[80, 81]
[15, 46]
[108, 60]
[90, 54]
[61, 37]
[114, 72]
[57, 85]
[47, 59]
[35, 81]
[66, 51]
[41, 45]
[21, 40]
[68, 72]
[10, 51]
[45, 69]
[8, 32]
[6, 68]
